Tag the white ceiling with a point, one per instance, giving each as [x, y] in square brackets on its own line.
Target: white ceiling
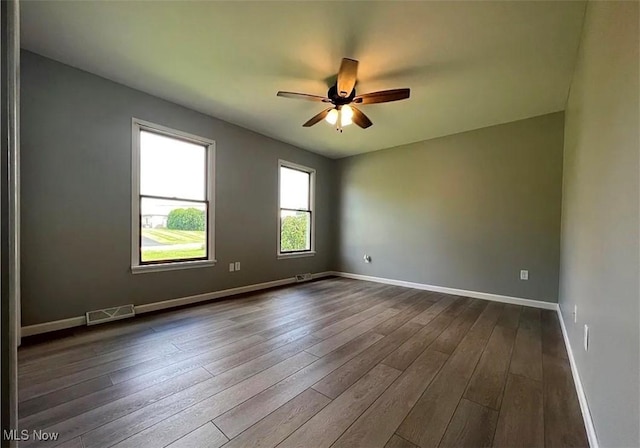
[468, 64]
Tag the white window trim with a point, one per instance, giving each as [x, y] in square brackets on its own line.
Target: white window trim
[312, 208]
[136, 126]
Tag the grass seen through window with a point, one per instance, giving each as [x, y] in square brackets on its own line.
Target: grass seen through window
[164, 244]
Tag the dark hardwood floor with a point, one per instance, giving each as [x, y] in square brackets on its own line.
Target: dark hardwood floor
[336, 362]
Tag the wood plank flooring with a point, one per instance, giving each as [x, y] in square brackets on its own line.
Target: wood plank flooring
[330, 363]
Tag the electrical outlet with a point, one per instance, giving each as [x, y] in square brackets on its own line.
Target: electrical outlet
[586, 338]
[575, 314]
[524, 275]
[232, 267]
[237, 265]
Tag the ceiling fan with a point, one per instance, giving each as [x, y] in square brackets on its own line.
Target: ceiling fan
[342, 97]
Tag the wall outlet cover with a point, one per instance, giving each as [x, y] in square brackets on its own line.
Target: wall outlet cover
[524, 275]
[237, 265]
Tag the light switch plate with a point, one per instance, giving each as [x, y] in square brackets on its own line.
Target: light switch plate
[524, 275]
[237, 265]
[232, 267]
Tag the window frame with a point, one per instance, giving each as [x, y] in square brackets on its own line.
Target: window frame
[137, 266]
[312, 193]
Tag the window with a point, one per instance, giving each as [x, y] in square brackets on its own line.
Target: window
[295, 215]
[172, 205]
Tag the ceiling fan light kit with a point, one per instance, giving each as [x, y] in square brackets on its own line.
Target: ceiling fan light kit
[340, 117]
[342, 96]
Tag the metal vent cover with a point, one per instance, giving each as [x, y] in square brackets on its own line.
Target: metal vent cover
[303, 277]
[110, 314]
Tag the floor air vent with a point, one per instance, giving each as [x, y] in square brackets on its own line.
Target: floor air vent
[303, 277]
[110, 314]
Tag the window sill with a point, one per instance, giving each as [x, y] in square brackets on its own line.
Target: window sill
[297, 255]
[177, 266]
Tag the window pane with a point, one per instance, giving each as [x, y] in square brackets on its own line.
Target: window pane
[171, 167]
[294, 189]
[172, 230]
[295, 231]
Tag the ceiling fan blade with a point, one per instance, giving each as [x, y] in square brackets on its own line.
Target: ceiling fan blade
[347, 76]
[360, 119]
[317, 119]
[303, 96]
[384, 96]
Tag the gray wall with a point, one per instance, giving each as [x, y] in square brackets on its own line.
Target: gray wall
[465, 211]
[76, 197]
[600, 262]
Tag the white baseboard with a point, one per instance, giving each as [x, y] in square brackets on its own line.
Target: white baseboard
[454, 291]
[582, 398]
[56, 325]
[78, 321]
[172, 303]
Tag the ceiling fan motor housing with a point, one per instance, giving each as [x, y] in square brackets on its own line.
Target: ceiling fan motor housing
[338, 100]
